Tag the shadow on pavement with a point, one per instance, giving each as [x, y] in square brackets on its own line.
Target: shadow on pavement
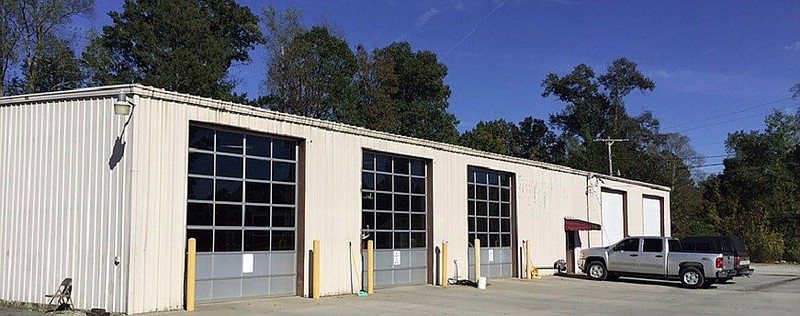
[629, 280]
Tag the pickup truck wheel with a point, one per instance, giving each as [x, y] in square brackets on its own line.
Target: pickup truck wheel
[596, 271]
[692, 278]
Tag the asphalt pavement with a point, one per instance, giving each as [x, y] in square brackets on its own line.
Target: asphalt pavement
[773, 290]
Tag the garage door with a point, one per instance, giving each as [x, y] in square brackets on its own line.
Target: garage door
[613, 225]
[489, 220]
[241, 208]
[394, 216]
[652, 216]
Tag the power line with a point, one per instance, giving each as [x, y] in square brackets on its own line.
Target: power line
[682, 158]
[725, 114]
[724, 122]
[747, 167]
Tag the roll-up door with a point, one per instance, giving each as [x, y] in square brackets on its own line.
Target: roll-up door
[241, 208]
[613, 209]
[394, 216]
[652, 216]
[489, 219]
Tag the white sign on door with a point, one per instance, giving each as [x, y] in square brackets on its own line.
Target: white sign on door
[247, 263]
[397, 257]
[491, 255]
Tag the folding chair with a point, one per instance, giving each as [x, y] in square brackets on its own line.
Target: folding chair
[63, 295]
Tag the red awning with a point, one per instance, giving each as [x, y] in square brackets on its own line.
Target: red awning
[571, 224]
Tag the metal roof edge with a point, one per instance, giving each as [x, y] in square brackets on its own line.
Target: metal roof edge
[162, 94]
[629, 181]
[82, 93]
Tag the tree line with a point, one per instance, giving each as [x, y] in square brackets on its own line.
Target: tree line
[189, 46]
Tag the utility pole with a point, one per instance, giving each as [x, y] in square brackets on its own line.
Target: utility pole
[609, 142]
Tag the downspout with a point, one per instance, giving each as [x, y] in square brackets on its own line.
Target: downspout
[588, 188]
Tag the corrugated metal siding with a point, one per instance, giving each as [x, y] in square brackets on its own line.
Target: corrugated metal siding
[62, 210]
[157, 160]
[333, 202]
[158, 216]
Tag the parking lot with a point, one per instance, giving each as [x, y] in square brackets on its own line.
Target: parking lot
[773, 290]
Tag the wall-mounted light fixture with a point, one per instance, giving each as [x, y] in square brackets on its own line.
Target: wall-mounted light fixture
[122, 106]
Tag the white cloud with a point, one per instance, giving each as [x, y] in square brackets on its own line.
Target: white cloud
[793, 48]
[697, 82]
[425, 17]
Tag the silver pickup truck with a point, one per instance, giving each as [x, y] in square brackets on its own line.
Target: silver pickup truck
[650, 257]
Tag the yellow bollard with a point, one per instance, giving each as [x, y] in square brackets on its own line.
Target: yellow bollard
[444, 264]
[533, 271]
[477, 260]
[191, 271]
[315, 270]
[370, 267]
[528, 269]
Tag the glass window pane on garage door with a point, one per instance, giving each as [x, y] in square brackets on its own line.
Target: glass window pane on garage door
[489, 219]
[394, 216]
[241, 208]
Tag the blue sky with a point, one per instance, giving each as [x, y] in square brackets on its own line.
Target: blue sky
[718, 66]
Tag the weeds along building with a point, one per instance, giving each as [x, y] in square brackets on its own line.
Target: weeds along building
[110, 200]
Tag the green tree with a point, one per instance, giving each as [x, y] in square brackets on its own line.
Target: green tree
[756, 195]
[186, 46]
[596, 109]
[101, 65]
[9, 36]
[421, 97]
[498, 136]
[374, 84]
[30, 28]
[57, 68]
[669, 160]
[312, 77]
[280, 29]
[536, 141]
[530, 139]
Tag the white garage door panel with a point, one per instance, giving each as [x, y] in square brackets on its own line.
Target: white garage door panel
[652, 216]
[613, 221]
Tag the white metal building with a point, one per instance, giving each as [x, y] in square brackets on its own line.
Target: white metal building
[110, 201]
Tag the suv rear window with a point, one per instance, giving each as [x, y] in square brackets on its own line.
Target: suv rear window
[728, 245]
[704, 247]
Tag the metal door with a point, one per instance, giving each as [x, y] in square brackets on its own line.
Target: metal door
[489, 218]
[394, 216]
[613, 216]
[496, 262]
[652, 216]
[241, 208]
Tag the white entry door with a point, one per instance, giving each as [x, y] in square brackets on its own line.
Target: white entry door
[652, 216]
[613, 217]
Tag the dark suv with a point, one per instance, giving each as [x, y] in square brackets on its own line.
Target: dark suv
[727, 245]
